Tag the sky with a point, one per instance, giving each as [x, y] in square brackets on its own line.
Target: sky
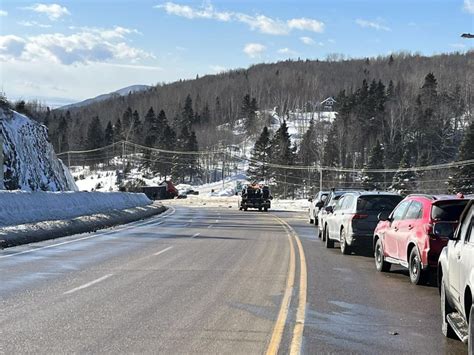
[65, 51]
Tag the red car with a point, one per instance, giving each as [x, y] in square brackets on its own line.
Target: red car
[407, 236]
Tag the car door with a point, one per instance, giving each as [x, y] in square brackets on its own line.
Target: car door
[406, 228]
[466, 262]
[390, 244]
[332, 218]
[457, 255]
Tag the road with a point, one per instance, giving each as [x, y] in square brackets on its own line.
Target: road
[210, 280]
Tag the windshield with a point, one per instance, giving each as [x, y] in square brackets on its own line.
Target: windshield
[377, 203]
[448, 210]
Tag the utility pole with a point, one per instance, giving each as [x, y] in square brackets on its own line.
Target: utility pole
[320, 179]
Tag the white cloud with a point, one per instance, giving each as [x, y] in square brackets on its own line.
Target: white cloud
[306, 24]
[287, 51]
[11, 45]
[218, 68]
[254, 50]
[33, 24]
[3, 13]
[469, 6]
[307, 40]
[207, 11]
[262, 23]
[376, 25]
[53, 11]
[85, 46]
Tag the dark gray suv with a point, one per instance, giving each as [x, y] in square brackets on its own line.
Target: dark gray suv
[352, 220]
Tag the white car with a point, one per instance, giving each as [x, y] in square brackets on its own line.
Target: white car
[456, 278]
[315, 205]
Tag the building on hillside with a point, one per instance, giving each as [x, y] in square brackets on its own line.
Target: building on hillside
[327, 104]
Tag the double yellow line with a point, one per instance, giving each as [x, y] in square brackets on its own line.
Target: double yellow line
[278, 329]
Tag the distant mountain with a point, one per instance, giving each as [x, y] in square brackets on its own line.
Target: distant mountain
[117, 93]
[30, 163]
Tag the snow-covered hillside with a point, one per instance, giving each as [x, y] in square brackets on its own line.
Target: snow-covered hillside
[30, 163]
[120, 92]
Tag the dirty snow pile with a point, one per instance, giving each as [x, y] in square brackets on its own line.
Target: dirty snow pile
[30, 163]
[19, 207]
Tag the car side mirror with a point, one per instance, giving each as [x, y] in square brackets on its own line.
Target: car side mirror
[444, 230]
[329, 209]
[384, 216]
[319, 204]
[310, 199]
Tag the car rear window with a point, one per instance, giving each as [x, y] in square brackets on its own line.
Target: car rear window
[377, 203]
[448, 210]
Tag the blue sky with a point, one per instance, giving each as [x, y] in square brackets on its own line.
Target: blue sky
[65, 51]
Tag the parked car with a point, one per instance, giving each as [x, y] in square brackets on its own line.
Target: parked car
[407, 236]
[353, 219]
[315, 205]
[456, 278]
[331, 200]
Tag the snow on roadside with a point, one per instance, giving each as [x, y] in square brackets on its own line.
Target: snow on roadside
[300, 205]
[20, 207]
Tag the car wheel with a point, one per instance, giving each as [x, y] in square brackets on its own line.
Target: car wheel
[265, 209]
[329, 241]
[417, 275]
[470, 340]
[445, 310]
[380, 263]
[345, 248]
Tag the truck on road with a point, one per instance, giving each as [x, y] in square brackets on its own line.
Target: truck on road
[255, 196]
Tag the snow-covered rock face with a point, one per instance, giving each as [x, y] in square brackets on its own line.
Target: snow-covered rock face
[30, 163]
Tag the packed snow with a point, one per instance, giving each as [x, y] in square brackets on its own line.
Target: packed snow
[29, 160]
[20, 207]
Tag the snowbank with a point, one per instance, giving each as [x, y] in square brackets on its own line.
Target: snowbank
[27, 217]
[19, 207]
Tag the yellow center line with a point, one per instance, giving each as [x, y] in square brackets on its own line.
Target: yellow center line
[285, 304]
[296, 342]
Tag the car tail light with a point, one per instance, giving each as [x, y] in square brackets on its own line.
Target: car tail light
[429, 229]
[359, 216]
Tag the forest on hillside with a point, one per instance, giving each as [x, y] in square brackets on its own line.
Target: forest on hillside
[398, 110]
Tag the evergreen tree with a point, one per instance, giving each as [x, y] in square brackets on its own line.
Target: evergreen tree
[248, 112]
[118, 131]
[258, 166]
[180, 164]
[95, 134]
[137, 127]
[373, 180]
[205, 115]
[462, 179]
[309, 152]
[63, 135]
[191, 160]
[404, 181]
[109, 134]
[127, 124]
[283, 153]
[187, 119]
[167, 141]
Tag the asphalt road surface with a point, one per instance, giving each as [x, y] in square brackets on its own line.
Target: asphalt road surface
[210, 280]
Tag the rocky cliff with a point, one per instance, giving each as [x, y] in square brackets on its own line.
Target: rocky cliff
[29, 160]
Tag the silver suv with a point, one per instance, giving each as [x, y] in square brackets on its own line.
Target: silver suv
[456, 278]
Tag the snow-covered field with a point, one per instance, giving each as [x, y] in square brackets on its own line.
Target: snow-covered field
[19, 207]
